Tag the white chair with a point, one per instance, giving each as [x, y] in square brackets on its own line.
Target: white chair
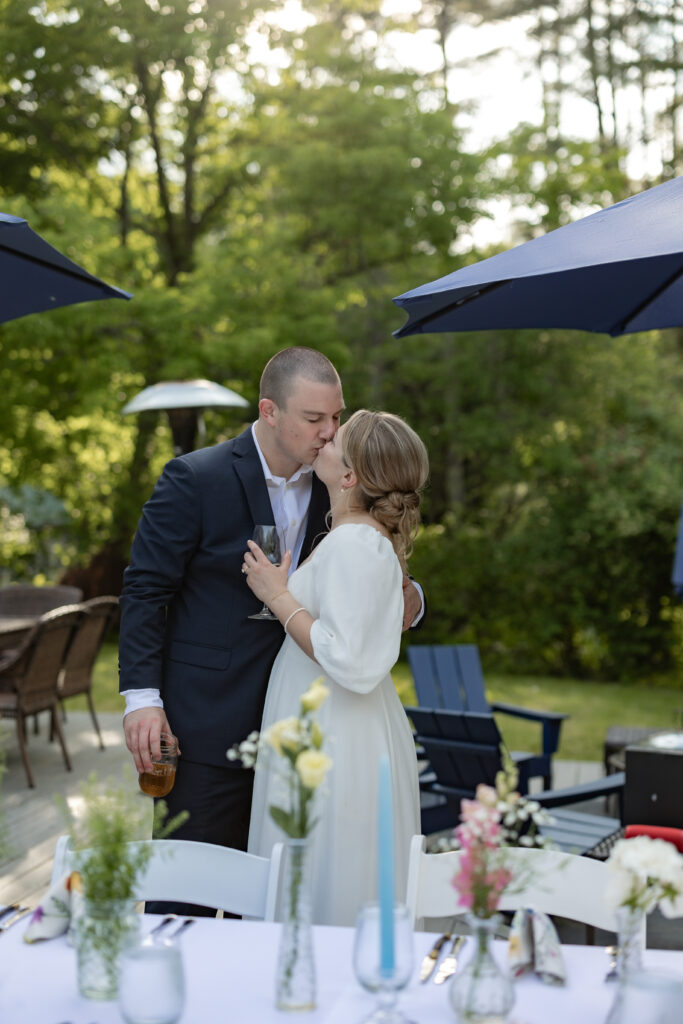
[560, 884]
[190, 872]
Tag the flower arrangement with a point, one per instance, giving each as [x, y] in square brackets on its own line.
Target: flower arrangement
[482, 876]
[107, 820]
[645, 873]
[302, 764]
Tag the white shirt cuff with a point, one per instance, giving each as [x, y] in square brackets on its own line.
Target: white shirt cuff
[137, 699]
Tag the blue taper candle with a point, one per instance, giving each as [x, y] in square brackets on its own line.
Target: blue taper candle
[386, 868]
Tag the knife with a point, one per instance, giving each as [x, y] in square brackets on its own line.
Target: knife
[429, 962]
[8, 910]
[449, 965]
[17, 915]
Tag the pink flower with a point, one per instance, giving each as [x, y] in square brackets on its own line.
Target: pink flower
[481, 877]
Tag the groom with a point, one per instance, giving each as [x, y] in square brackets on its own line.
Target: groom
[191, 661]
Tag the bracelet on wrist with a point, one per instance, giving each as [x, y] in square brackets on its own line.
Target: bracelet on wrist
[291, 616]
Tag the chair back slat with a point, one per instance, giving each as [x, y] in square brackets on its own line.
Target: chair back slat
[427, 685]
[463, 748]
[187, 871]
[471, 677]
[87, 640]
[552, 882]
[449, 676]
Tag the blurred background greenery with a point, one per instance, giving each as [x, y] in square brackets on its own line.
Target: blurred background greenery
[258, 186]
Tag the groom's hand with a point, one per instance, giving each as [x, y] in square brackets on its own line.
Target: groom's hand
[143, 729]
[412, 603]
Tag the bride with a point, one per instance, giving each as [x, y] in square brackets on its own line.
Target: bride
[342, 610]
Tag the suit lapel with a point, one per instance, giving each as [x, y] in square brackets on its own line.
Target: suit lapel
[317, 510]
[250, 472]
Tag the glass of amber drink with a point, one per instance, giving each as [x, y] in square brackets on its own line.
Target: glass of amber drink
[159, 782]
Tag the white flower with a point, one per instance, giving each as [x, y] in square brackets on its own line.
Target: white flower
[645, 872]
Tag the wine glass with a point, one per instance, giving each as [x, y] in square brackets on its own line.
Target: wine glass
[367, 961]
[268, 539]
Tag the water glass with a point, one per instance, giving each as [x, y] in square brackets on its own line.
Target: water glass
[152, 984]
[367, 966]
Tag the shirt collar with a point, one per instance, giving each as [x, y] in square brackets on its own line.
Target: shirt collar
[302, 471]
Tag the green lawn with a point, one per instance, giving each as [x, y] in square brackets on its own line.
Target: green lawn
[593, 707]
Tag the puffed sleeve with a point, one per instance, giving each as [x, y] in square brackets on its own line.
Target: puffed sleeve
[357, 636]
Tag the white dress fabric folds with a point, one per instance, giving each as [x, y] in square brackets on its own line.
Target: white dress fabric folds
[351, 585]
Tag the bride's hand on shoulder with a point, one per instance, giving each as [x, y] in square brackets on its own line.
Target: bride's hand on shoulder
[265, 580]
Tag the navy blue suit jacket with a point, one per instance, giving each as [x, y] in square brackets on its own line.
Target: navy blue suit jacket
[185, 603]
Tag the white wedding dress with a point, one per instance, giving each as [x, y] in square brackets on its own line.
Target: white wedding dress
[351, 585]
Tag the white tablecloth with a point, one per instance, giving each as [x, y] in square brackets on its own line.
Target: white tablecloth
[230, 967]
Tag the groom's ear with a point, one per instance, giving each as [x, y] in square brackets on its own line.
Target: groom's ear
[266, 408]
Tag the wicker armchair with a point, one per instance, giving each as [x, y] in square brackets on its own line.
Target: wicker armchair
[28, 677]
[75, 678]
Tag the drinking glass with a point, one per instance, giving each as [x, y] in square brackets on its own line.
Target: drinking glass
[159, 782]
[152, 984]
[367, 961]
[268, 539]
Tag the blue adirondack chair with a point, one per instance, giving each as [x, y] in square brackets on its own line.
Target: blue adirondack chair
[463, 748]
[450, 676]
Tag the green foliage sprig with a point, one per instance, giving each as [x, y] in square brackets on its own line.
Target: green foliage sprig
[113, 816]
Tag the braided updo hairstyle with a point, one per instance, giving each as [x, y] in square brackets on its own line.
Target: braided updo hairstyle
[391, 465]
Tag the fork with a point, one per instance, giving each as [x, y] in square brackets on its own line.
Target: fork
[152, 935]
[186, 924]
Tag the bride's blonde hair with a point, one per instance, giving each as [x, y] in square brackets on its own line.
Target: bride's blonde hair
[391, 465]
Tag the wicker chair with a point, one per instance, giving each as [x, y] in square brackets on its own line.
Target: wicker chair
[25, 601]
[28, 678]
[75, 678]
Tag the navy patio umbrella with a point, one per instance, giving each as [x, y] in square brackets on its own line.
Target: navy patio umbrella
[613, 272]
[34, 276]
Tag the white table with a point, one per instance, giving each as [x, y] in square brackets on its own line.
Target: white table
[230, 966]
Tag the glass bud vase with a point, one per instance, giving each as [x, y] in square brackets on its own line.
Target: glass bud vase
[295, 986]
[630, 944]
[481, 992]
[103, 931]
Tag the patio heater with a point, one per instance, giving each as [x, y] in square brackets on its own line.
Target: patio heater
[183, 401]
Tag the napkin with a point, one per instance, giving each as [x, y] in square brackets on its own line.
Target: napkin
[55, 911]
[535, 946]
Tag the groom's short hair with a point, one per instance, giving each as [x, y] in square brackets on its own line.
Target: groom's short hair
[277, 379]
